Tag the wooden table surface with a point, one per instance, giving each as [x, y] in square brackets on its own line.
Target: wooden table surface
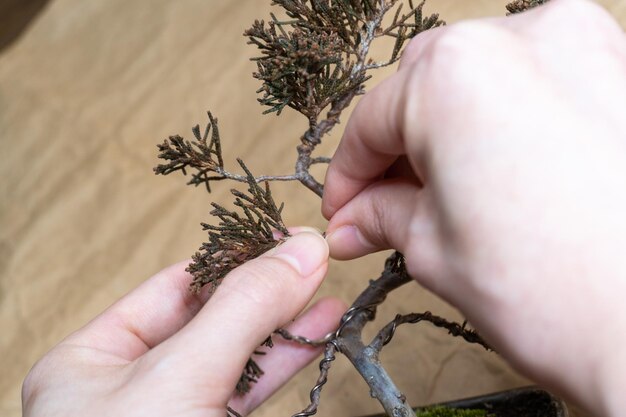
[86, 92]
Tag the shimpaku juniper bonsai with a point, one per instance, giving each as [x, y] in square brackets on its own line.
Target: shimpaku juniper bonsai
[315, 60]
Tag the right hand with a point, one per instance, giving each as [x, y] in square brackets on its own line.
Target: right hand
[495, 160]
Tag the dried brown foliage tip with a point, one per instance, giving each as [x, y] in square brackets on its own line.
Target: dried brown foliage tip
[252, 371]
[240, 235]
[204, 155]
[519, 6]
[406, 26]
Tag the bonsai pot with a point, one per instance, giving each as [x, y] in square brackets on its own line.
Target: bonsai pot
[521, 402]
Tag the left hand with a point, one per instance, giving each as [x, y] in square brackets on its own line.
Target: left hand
[160, 351]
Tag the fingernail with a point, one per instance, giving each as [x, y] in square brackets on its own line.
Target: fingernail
[349, 238]
[306, 251]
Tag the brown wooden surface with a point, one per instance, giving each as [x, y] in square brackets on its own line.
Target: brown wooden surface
[86, 92]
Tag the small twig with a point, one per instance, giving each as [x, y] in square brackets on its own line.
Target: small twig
[454, 329]
[321, 160]
[377, 65]
[265, 178]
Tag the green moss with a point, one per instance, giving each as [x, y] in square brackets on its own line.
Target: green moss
[450, 412]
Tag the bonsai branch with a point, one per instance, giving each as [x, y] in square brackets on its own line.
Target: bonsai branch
[225, 175]
[364, 358]
[321, 160]
[305, 340]
[316, 391]
[454, 329]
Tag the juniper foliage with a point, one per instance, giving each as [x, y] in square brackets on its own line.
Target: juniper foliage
[240, 235]
[253, 228]
[519, 6]
[317, 54]
[203, 155]
[252, 371]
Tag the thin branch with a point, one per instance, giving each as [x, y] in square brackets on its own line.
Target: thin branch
[303, 163]
[265, 178]
[305, 340]
[364, 358]
[325, 364]
[313, 137]
[321, 160]
[454, 329]
[377, 65]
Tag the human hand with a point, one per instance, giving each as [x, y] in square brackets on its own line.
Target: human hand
[161, 352]
[495, 160]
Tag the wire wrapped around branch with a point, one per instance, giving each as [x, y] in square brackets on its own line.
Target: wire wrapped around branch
[316, 391]
[302, 340]
[454, 329]
[365, 359]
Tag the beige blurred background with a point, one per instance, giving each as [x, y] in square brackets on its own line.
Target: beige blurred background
[87, 90]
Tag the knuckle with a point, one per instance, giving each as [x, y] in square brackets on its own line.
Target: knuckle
[377, 230]
[34, 381]
[448, 48]
[586, 17]
[454, 56]
[412, 49]
[416, 46]
[573, 8]
[462, 41]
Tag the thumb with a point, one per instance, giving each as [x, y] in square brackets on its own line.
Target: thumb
[254, 300]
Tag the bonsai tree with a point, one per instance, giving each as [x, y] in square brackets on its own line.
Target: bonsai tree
[314, 58]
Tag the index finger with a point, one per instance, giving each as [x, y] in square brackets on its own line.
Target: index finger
[372, 142]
